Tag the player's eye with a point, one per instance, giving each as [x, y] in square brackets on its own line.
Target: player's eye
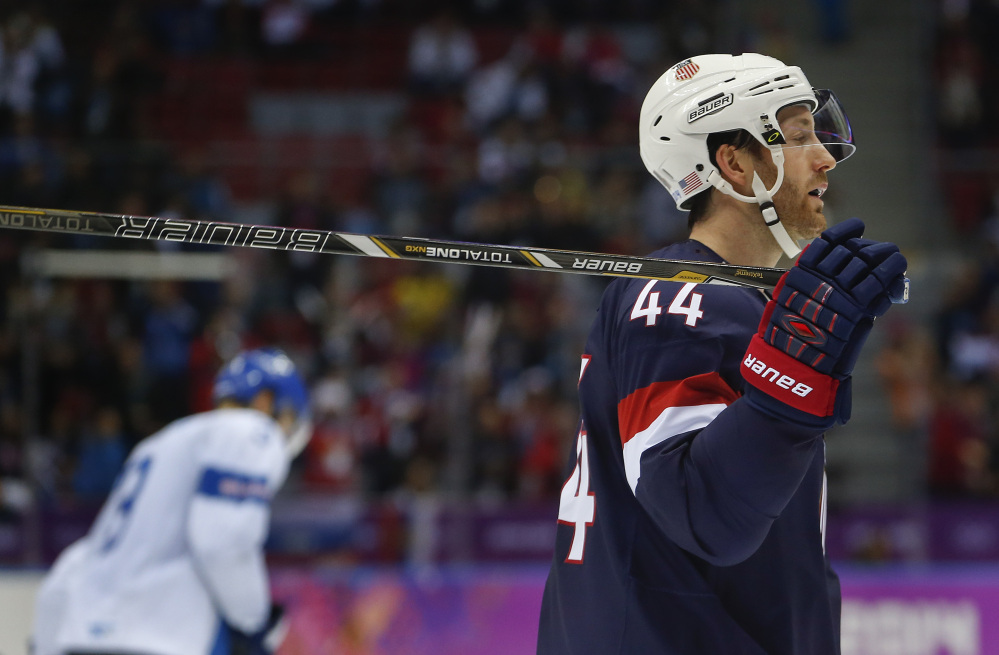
[799, 137]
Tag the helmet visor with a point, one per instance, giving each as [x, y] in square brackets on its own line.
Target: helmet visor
[828, 127]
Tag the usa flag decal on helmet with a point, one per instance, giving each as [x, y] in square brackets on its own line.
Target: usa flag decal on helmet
[686, 69]
[690, 183]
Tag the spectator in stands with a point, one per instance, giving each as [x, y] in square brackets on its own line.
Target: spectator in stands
[493, 473]
[25, 156]
[331, 458]
[16, 499]
[960, 104]
[80, 187]
[511, 87]
[102, 452]
[442, 54]
[536, 423]
[595, 76]
[400, 188]
[613, 211]
[20, 65]
[52, 85]
[223, 336]
[506, 155]
[909, 368]
[960, 456]
[284, 27]
[543, 36]
[170, 326]
[206, 194]
[301, 206]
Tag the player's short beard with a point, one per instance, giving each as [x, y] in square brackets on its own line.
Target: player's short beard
[793, 206]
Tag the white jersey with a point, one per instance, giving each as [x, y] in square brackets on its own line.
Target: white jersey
[177, 546]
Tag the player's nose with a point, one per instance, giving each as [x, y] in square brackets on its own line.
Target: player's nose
[823, 159]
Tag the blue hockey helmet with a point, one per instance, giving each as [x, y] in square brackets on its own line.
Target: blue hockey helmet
[267, 369]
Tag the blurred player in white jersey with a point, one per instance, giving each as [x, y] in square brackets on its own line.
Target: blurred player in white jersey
[174, 563]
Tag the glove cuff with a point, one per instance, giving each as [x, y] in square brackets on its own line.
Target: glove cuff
[788, 380]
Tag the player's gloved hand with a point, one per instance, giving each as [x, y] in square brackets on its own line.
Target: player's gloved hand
[798, 365]
[263, 642]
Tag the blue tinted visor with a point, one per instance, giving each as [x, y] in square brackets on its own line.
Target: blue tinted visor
[828, 126]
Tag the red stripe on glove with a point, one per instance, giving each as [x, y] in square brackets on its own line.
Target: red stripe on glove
[788, 380]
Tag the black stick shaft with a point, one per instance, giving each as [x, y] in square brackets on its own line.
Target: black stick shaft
[388, 247]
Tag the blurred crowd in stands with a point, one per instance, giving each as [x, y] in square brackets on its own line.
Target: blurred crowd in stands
[514, 124]
[943, 377]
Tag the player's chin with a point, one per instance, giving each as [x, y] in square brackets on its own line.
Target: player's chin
[815, 225]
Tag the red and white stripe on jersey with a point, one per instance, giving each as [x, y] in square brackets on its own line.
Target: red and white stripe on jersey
[653, 414]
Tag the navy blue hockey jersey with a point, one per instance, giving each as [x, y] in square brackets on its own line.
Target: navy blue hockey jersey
[690, 523]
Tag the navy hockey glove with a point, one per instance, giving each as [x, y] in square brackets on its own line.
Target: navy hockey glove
[798, 365]
[263, 642]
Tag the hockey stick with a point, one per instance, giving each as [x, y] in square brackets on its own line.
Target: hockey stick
[411, 248]
[389, 247]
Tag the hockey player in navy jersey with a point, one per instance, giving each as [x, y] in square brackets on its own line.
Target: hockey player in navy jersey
[174, 562]
[692, 517]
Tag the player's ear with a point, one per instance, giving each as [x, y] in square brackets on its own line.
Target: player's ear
[734, 164]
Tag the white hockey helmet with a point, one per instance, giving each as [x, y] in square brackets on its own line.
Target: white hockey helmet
[709, 94]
